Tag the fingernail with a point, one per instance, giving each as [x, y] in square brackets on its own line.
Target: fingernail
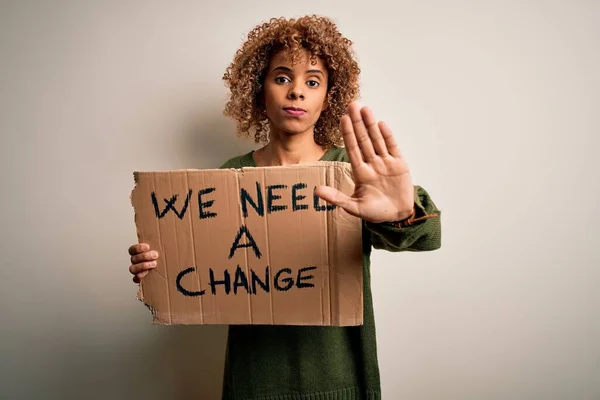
[145, 247]
[154, 254]
[152, 264]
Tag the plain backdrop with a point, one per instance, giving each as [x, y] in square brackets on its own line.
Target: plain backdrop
[495, 104]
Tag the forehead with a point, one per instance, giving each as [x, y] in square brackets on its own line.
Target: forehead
[297, 60]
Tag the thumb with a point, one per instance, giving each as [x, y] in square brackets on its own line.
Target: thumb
[334, 196]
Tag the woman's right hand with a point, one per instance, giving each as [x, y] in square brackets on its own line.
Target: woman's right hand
[142, 260]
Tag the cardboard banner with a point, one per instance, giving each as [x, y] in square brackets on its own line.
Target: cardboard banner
[250, 246]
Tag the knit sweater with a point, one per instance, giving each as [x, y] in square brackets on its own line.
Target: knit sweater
[265, 362]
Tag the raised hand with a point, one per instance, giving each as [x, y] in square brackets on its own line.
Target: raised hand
[384, 189]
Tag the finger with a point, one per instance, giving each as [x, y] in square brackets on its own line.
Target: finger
[138, 248]
[352, 149]
[374, 133]
[145, 266]
[145, 256]
[334, 196]
[141, 275]
[390, 142]
[137, 278]
[361, 133]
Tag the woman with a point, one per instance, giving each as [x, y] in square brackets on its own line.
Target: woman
[293, 83]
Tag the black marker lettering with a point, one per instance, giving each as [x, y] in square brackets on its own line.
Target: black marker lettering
[271, 197]
[245, 197]
[262, 284]
[181, 289]
[296, 197]
[206, 204]
[289, 281]
[299, 283]
[225, 282]
[240, 280]
[170, 205]
[251, 243]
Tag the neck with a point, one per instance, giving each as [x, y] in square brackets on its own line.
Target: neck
[285, 149]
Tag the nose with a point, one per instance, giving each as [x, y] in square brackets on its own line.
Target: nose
[295, 92]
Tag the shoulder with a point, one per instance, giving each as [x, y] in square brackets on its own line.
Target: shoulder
[240, 161]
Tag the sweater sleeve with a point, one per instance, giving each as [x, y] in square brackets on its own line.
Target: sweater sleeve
[424, 235]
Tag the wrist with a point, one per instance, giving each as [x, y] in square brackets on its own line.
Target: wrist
[406, 221]
[417, 215]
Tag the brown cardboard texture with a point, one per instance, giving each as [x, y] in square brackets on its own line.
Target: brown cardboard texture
[250, 246]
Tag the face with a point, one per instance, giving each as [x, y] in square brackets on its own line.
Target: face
[295, 94]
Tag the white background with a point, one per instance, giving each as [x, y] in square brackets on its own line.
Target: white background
[494, 103]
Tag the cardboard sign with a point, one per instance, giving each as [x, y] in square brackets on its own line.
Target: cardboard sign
[250, 246]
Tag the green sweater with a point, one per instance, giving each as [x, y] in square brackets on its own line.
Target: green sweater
[315, 362]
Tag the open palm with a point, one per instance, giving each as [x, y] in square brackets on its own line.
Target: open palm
[384, 189]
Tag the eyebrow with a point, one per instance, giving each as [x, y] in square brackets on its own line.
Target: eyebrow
[288, 69]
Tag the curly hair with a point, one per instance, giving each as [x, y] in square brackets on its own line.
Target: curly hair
[321, 38]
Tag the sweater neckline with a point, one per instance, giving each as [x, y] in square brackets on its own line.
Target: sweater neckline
[249, 157]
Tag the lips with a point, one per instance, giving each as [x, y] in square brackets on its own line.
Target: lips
[294, 111]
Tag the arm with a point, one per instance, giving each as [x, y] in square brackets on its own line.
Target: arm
[423, 232]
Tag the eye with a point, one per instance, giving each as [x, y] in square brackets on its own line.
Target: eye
[313, 83]
[282, 79]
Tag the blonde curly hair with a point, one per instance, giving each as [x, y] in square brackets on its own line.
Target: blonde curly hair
[321, 38]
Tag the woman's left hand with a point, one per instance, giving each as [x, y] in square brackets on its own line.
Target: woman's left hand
[384, 189]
